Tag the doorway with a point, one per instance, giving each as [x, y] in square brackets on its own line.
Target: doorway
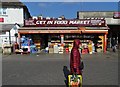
[44, 41]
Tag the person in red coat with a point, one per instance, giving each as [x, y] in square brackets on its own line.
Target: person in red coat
[75, 58]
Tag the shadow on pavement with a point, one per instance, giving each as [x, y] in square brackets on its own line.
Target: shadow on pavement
[5, 56]
[66, 73]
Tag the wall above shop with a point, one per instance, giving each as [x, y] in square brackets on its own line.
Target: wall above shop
[110, 16]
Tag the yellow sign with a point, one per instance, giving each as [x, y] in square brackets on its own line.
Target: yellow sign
[72, 83]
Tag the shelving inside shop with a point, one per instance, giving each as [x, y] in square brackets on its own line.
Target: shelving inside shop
[100, 44]
[36, 39]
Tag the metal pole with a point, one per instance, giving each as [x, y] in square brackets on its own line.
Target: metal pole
[105, 42]
[110, 42]
[10, 41]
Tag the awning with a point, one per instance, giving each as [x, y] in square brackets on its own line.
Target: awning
[6, 27]
[29, 30]
[48, 31]
[94, 29]
[97, 28]
[48, 28]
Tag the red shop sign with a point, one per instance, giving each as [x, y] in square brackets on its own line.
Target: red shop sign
[64, 23]
[116, 15]
[1, 19]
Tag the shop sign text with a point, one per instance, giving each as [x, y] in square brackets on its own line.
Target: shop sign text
[54, 23]
[116, 15]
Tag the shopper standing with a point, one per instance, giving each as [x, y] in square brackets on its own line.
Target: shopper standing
[114, 43]
[90, 47]
[75, 58]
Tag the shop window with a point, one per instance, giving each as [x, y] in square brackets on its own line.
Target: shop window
[3, 11]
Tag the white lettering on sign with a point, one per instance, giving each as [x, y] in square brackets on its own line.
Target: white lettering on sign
[50, 22]
[96, 22]
[79, 22]
[72, 22]
[40, 22]
[86, 22]
[60, 22]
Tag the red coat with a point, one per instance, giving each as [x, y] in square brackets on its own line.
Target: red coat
[75, 58]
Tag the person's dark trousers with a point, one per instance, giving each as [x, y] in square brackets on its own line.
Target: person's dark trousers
[114, 49]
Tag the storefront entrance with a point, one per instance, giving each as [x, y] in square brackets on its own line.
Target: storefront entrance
[40, 40]
[44, 41]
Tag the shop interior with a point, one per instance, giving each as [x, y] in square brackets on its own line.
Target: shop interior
[41, 41]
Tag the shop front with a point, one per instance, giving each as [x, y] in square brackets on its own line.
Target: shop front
[61, 33]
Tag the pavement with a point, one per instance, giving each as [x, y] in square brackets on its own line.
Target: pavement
[51, 69]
